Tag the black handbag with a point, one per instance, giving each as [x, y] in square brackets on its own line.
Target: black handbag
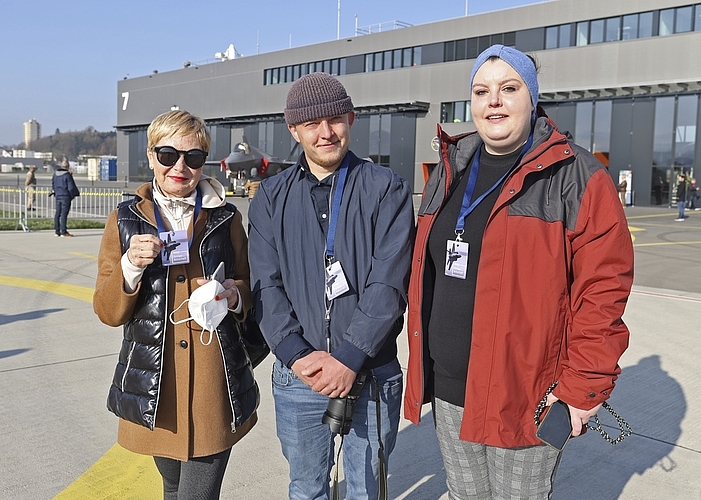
[253, 340]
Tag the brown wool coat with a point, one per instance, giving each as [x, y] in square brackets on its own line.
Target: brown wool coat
[194, 373]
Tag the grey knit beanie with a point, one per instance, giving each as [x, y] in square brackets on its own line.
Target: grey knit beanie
[314, 96]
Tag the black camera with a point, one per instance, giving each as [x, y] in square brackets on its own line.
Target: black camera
[339, 412]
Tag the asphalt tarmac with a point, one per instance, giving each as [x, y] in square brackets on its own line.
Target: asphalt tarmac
[57, 360]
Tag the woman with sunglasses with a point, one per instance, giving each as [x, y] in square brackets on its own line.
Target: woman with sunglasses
[181, 399]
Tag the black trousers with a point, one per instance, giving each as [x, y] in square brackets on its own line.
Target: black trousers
[197, 479]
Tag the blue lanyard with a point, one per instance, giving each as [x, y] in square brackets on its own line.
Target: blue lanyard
[336, 207]
[467, 204]
[159, 219]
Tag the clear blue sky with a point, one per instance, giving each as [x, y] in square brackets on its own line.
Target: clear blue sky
[61, 59]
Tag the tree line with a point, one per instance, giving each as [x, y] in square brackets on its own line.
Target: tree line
[71, 144]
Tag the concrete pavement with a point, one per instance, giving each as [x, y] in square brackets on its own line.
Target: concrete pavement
[57, 361]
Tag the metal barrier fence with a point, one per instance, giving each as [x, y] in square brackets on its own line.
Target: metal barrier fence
[22, 205]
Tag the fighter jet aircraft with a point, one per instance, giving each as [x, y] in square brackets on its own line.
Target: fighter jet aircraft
[169, 246]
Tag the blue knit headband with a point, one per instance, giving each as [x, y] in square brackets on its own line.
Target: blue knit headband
[517, 60]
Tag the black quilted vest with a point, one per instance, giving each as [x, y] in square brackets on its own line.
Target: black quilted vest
[135, 387]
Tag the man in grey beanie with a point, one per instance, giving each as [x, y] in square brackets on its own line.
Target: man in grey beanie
[329, 248]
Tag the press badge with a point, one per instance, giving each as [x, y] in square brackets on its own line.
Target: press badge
[175, 247]
[336, 283]
[456, 259]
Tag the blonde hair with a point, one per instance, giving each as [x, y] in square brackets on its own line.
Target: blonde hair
[181, 123]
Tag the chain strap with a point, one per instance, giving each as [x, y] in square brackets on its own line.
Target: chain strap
[623, 426]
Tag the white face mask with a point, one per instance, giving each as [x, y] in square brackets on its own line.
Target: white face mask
[204, 309]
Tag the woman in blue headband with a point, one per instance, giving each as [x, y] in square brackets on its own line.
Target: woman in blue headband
[522, 267]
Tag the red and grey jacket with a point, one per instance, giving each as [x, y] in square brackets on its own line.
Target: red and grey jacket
[553, 280]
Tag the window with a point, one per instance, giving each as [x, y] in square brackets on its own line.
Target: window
[510, 39]
[565, 38]
[697, 18]
[685, 136]
[613, 25]
[417, 56]
[295, 72]
[596, 31]
[551, 37]
[288, 74]
[378, 61]
[334, 66]
[472, 48]
[397, 58]
[645, 25]
[666, 22]
[368, 63]
[342, 64]
[602, 129]
[449, 51]
[456, 112]
[447, 112]
[582, 33]
[461, 49]
[407, 60]
[630, 27]
[327, 66]
[582, 126]
[683, 19]
[275, 74]
[268, 78]
[387, 64]
[664, 129]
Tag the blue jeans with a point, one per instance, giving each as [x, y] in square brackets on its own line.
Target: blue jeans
[63, 206]
[308, 444]
[680, 206]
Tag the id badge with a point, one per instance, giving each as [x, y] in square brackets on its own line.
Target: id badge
[175, 247]
[336, 283]
[456, 259]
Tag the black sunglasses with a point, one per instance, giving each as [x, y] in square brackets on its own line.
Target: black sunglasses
[168, 156]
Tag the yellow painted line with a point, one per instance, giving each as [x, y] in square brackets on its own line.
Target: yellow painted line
[666, 243]
[633, 229]
[84, 255]
[72, 291]
[671, 215]
[118, 474]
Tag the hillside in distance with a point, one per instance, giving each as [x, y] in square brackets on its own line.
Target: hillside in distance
[71, 144]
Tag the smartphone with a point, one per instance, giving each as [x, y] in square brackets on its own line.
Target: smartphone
[555, 428]
[218, 274]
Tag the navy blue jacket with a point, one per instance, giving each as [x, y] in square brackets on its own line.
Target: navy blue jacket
[373, 244]
[63, 184]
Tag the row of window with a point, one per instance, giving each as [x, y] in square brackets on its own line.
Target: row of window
[288, 74]
[456, 112]
[627, 27]
[390, 59]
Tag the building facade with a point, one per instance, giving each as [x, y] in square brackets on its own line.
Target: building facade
[32, 132]
[624, 78]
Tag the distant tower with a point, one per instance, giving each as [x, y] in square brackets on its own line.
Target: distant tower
[32, 132]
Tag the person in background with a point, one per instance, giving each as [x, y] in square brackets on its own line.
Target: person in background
[184, 395]
[681, 197]
[330, 243]
[64, 189]
[252, 184]
[30, 183]
[693, 195]
[622, 186]
[522, 267]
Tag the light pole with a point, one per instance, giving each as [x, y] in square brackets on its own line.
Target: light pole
[338, 22]
[465, 7]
